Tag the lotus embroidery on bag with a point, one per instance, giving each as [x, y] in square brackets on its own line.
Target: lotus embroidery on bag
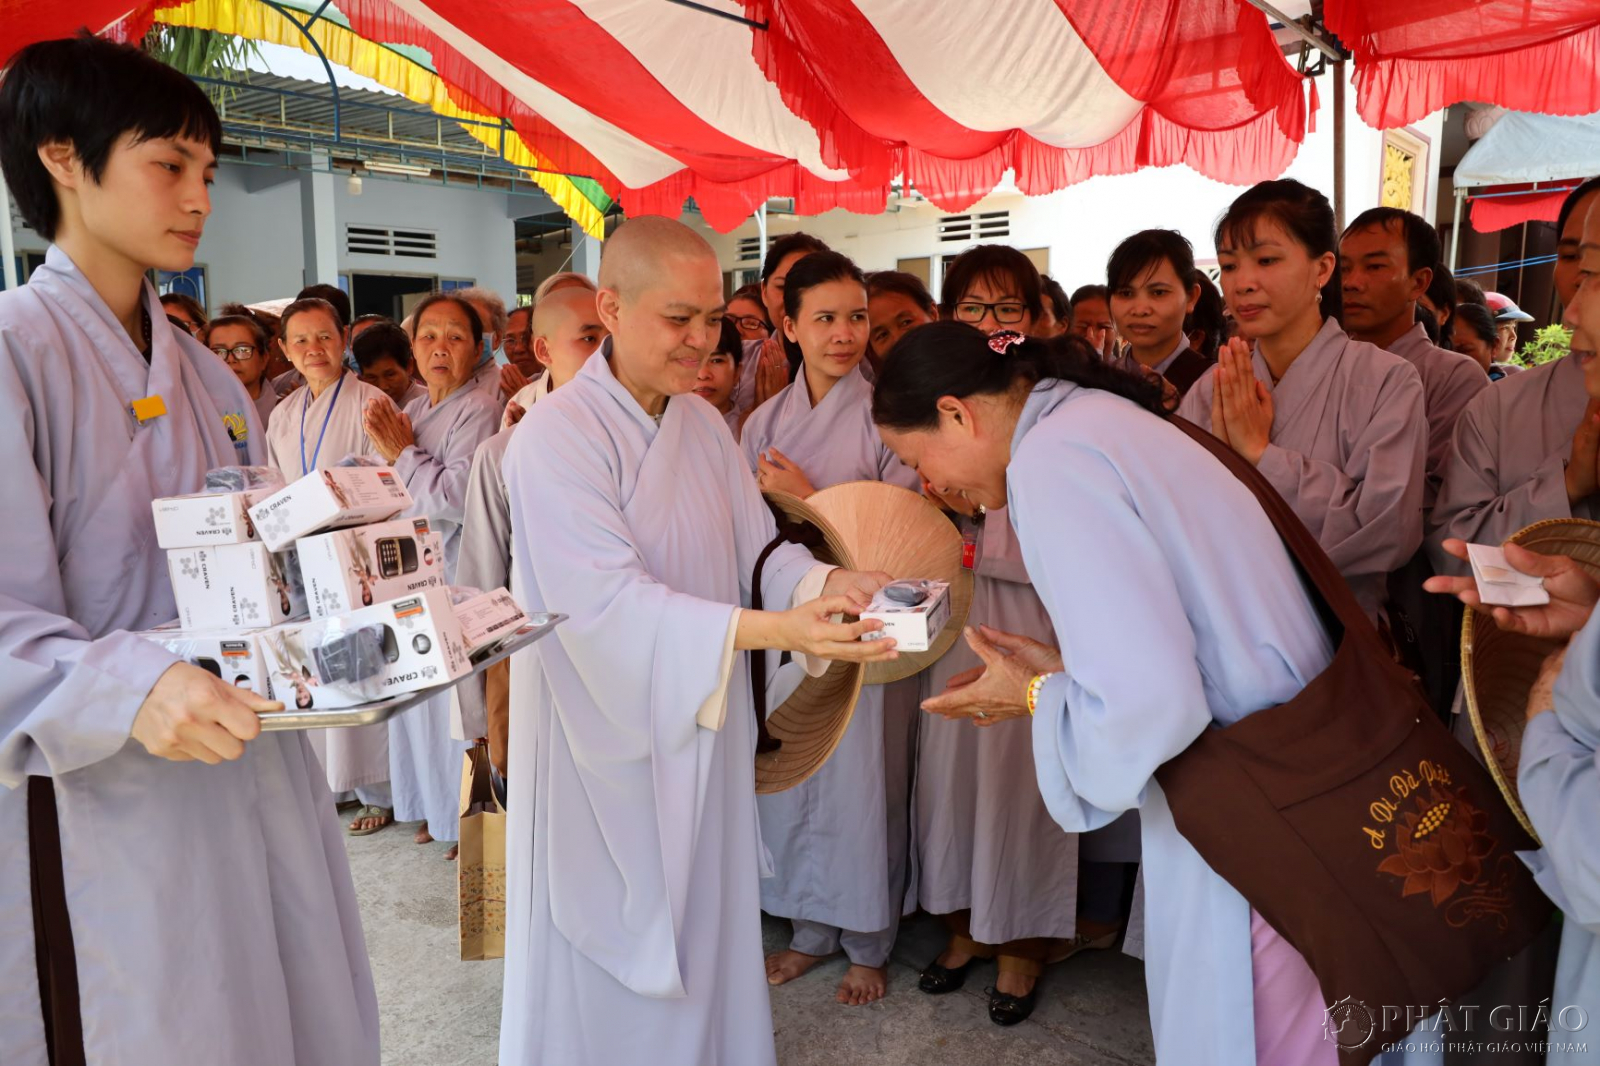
[1440, 847]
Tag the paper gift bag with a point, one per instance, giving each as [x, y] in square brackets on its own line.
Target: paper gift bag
[481, 862]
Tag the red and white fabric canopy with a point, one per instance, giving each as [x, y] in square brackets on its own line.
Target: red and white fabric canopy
[831, 102]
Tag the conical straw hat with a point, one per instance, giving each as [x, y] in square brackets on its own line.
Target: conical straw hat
[888, 528]
[1498, 669]
[811, 722]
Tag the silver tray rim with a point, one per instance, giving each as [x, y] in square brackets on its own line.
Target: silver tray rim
[537, 627]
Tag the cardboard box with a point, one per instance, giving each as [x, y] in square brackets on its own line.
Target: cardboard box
[235, 657]
[329, 499]
[206, 518]
[235, 586]
[914, 627]
[364, 565]
[488, 619]
[368, 654]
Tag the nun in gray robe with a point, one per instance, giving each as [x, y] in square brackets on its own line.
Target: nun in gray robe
[1348, 446]
[1449, 382]
[212, 912]
[1507, 467]
[424, 759]
[839, 840]
[633, 929]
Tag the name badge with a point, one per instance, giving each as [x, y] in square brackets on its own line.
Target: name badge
[150, 407]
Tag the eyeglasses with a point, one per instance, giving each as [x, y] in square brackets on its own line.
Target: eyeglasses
[1007, 314]
[751, 323]
[519, 340]
[237, 354]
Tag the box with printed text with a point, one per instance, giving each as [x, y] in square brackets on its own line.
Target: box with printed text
[233, 656]
[206, 518]
[329, 499]
[235, 586]
[364, 565]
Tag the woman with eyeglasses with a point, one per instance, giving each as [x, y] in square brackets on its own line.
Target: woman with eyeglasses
[186, 309]
[747, 313]
[319, 423]
[239, 341]
[992, 861]
[1335, 424]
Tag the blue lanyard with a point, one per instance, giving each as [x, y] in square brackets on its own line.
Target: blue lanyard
[304, 410]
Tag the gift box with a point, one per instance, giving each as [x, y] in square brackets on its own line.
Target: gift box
[364, 565]
[335, 498]
[206, 518]
[234, 656]
[913, 612]
[235, 586]
[488, 619]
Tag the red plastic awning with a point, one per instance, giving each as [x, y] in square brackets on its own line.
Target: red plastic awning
[1498, 207]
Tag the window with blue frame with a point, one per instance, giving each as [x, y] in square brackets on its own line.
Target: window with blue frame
[191, 282]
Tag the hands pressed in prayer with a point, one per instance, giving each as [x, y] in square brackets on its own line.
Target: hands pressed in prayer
[1542, 697]
[997, 690]
[191, 714]
[1573, 593]
[514, 413]
[776, 472]
[1241, 406]
[388, 428]
[857, 586]
[772, 375]
[512, 381]
[1583, 468]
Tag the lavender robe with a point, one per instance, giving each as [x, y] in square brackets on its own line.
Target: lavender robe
[484, 563]
[1559, 782]
[839, 839]
[1449, 381]
[265, 403]
[1507, 468]
[1348, 443]
[212, 911]
[633, 925]
[1208, 622]
[424, 759]
[985, 840]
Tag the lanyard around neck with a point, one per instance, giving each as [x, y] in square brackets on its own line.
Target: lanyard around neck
[304, 410]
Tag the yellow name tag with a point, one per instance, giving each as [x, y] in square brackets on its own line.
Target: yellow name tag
[149, 407]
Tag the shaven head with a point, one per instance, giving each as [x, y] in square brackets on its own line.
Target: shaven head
[566, 331]
[661, 298]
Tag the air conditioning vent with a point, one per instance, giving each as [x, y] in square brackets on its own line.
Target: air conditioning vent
[749, 249]
[382, 240]
[984, 226]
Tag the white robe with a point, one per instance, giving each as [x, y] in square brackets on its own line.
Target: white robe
[633, 925]
[1347, 450]
[1508, 464]
[424, 759]
[212, 911]
[1177, 606]
[357, 757]
[838, 840]
[985, 840]
[1559, 782]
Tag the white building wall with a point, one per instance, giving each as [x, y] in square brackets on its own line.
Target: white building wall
[1080, 225]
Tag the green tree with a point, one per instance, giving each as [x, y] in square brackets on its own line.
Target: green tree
[1551, 342]
[201, 53]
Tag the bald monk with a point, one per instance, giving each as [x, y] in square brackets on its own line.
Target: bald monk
[633, 922]
[566, 330]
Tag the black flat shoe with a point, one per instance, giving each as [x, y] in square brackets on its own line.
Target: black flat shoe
[1006, 1009]
[936, 980]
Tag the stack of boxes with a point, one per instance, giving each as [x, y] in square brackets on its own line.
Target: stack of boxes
[315, 594]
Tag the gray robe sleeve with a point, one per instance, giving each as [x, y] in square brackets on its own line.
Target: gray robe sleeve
[485, 559]
[1558, 780]
[1368, 517]
[438, 483]
[1460, 381]
[1471, 504]
[66, 700]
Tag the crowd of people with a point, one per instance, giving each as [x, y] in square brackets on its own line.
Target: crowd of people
[186, 895]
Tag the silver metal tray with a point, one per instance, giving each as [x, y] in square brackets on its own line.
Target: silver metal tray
[369, 713]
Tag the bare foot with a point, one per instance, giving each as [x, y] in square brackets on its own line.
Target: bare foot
[450, 856]
[784, 966]
[423, 836]
[1014, 984]
[863, 984]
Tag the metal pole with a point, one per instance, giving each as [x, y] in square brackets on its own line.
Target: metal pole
[1338, 144]
[8, 241]
[761, 228]
[1455, 227]
[305, 31]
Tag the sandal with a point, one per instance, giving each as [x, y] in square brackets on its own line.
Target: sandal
[385, 814]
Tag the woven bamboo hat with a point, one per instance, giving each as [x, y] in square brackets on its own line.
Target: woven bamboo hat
[865, 525]
[1498, 669]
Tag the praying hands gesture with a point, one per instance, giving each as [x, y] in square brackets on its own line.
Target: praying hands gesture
[772, 372]
[512, 381]
[998, 689]
[388, 429]
[1241, 406]
[1573, 593]
[776, 472]
[1583, 480]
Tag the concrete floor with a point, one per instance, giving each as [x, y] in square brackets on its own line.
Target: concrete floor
[438, 1011]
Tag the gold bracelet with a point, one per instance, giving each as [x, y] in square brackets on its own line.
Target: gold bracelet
[1035, 687]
